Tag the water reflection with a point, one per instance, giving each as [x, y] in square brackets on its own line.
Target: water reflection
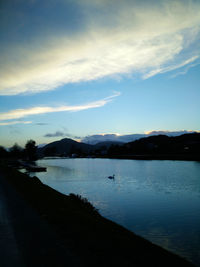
[159, 200]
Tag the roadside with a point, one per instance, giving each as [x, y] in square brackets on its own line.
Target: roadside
[9, 251]
[25, 238]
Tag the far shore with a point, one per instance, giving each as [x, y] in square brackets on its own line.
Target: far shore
[183, 157]
[186, 157]
[95, 240]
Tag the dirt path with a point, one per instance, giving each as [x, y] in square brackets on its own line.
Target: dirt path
[25, 239]
[9, 252]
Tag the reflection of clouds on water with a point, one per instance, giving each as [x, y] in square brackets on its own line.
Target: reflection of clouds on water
[157, 176]
[60, 173]
[169, 177]
[55, 173]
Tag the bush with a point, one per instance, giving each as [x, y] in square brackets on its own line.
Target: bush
[83, 202]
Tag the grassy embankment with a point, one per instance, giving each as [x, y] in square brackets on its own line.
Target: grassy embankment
[96, 240]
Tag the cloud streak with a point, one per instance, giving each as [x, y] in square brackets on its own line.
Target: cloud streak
[41, 123]
[137, 39]
[56, 134]
[21, 113]
[173, 67]
[61, 134]
[14, 122]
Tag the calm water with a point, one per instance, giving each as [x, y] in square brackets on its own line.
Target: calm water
[159, 200]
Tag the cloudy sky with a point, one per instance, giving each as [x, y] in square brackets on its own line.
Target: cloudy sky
[86, 67]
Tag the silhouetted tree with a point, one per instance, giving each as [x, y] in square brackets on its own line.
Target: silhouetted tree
[31, 149]
[3, 152]
[16, 151]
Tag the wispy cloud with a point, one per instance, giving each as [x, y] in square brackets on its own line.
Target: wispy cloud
[21, 113]
[185, 70]
[41, 123]
[61, 134]
[137, 38]
[14, 122]
[172, 67]
[56, 134]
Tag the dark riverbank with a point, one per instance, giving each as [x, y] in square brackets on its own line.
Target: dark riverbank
[26, 239]
[95, 240]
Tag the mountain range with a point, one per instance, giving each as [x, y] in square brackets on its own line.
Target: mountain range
[156, 144]
[94, 139]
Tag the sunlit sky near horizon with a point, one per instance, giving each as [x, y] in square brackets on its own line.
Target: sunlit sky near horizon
[85, 67]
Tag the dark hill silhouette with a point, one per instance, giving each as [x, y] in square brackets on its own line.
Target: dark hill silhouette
[187, 144]
[65, 147]
[102, 148]
[107, 144]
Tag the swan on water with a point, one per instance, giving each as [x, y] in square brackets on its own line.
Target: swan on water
[111, 177]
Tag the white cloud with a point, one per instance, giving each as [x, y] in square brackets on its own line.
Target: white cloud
[172, 67]
[99, 138]
[136, 38]
[14, 122]
[21, 113]
[184, 70]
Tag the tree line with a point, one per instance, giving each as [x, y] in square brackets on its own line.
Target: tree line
[29, 152]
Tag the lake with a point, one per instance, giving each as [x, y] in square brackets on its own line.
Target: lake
[159, 200]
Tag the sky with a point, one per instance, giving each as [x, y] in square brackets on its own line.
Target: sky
[88, 67]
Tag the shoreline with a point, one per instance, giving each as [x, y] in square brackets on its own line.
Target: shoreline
[158, 157]
[96, 240]
[178, 157]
